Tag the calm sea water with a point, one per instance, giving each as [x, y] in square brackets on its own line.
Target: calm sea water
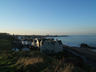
[76, 40]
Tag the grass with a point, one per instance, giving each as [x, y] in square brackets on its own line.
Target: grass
[34, 61]
[5, 44]
[5, 41]
[24, 61]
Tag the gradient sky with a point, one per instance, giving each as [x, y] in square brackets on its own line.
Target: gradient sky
[48, 16]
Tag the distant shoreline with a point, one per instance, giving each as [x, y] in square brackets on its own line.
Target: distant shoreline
[57, 36]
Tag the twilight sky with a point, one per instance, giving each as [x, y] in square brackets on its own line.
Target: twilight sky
[48, 16]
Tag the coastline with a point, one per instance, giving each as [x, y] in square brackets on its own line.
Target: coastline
[85, 53]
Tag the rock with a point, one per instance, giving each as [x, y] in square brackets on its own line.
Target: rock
[83, 45]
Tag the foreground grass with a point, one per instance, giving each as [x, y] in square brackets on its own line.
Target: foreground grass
[34, 61]
[25, 61]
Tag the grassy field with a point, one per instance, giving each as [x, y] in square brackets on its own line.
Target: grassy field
[34, 61]
[24, 62]
[5, 44]
[5, 41]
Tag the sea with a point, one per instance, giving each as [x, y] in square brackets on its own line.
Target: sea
[76, 40]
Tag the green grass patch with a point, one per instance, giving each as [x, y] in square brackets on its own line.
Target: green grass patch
[5, 44]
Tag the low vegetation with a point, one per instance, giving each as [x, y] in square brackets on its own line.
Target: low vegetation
[34, 61]
[5, 41]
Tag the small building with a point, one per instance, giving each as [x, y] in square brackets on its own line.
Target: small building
[36, 42]
[51, 46]
[26, 42]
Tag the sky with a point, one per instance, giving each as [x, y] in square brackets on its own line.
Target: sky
[48, 17]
